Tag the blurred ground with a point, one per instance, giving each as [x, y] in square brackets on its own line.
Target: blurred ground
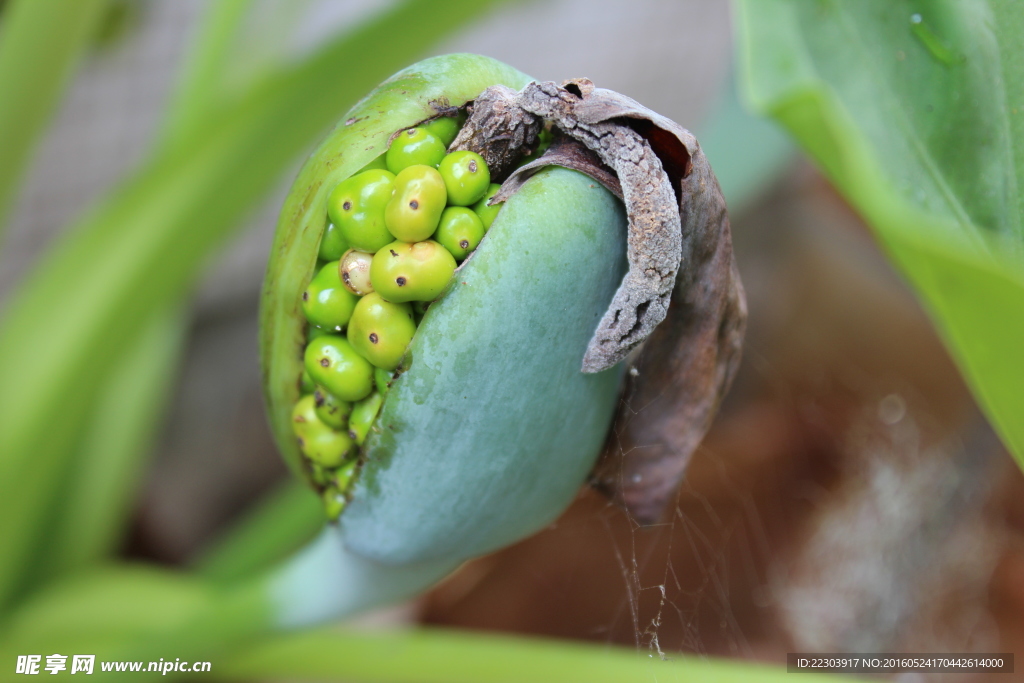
[848, 498]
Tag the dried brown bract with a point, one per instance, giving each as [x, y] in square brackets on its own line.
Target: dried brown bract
[682, 295]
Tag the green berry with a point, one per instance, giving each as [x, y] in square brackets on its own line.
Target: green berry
[444, 129]
[326, 301]
[334, 503]
[466, 177]
[381, 330]
[321, 476]
[363, 414]
[354, 269]
[335, 365]
[314, 331]
[487, 213]
[414, 146]
[343, 475]
[403, 272]
[382, 378]
[318, 442]
[331, 410]
[306, 384]
[379, 163]
[332, 244]
[459, 231]
[416, 206]
[357, 206]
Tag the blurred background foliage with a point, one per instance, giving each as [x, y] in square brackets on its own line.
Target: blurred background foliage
[850, 498]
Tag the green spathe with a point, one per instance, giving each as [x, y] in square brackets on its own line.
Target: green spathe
[520, 424]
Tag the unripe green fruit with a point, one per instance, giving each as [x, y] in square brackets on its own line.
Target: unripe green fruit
[331, 410]
[334, 502]
[466, 177]
[306, 384]
[444, 129]
[327, 302]
[381, 330]
[321, 444]
[363, 414]
[486, 213]
[382, 380]
[416, 206]
[356, 207]
[403, 272]
[354, 268]
[332, 244]
[333, 364]
[459, 231]
[415, 146]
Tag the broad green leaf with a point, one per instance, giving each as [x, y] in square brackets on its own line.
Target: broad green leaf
[144, 247]
[915, 111]
[41, 42]
[442, 656]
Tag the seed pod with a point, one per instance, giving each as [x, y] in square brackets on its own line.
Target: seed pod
[489, 428]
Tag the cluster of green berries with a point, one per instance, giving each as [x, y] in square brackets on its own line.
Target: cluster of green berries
[396, 231]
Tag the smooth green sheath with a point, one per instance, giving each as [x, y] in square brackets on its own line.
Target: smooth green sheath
[360, 137]
[489, 434]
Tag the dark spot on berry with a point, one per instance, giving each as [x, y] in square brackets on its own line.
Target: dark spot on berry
[392, 252]
[305, 296]
[344, 276]
[472, 165]
[352, 435]
[301, 442]
[347, 206]
[374, 338]
[325, 362]
[318, 398]
[464, 244]
[400, 281]
[414, 204]
[411, 132]
[300, 418]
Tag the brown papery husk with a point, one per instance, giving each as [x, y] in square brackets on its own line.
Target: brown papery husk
[682, 298]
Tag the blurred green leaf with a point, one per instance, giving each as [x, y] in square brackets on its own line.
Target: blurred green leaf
[101, 481]
[144, 247]
[41, 42]
[915, 111]
[135, 613]
[278, 525]
[441, 656]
